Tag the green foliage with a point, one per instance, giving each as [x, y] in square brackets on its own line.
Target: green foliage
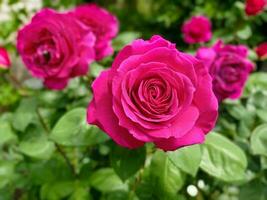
[24, 114]
[105, 180]
[127, 162]
[187, 159]
[37, 147]
[162, 180]
[58, 190]
[6, 133]
[6, 173]
[72, 130]
[123, 39]
[253, 191]
[259, 140]
[49, 152]
[223, 159]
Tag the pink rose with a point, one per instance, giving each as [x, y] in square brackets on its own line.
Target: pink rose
[229, 67]
[254, 7]
[261, 51]
[154, 93]
[55, 47]
[102, 23]
[197, 29]
[4, 59]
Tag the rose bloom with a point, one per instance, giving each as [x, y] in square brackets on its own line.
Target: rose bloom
[4, 59]
[103, 24]
[197, 30]
[261, 51]
[254, 7]
[55, 47]
[154, 93]
[229, 67]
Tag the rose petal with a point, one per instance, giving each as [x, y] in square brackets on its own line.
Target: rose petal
[194, 136]
[4, 59]
[55, 83]
[100, 113]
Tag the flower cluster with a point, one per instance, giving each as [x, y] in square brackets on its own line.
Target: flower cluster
[58, 46]
[153, 92]
[229, 67]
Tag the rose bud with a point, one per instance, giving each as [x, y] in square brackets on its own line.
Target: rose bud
[197, 30]
[4, 59]
[261, 51]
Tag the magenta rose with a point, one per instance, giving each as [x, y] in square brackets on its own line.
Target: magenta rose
[154, 93]
[4, 58]
[254, 7]
[197, 30]
[56, 47]
[103, 24]
[261, 51]
[229, 67]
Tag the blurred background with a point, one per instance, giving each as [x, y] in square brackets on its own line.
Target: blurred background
[33, 169]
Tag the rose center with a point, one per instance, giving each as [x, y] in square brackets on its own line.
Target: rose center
[154, 89]
[153, 96]
[229, 74]
[46, 55]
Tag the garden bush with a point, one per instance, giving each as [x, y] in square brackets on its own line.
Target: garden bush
[133, 100]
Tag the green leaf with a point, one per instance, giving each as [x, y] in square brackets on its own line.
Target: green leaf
[6, 117]
[6, 173]
[243, 131]
[259, 140]
[25, 114]
[237, 111]
[252, 55]
[263, 163]
[52, 98]
[37, 147]
[95, 136]
[96, 69]
[80, 193]
[227, 127]
[53, 170]
[262, 114]
[165, 178]
[244, 33]
[258, 99]
[117, 195]
[57, 190]
[73, 130]
[145, 189]
[127, 162]
[6, 133]
[253, 191]
[187, 159]
[124, 39]
[256, 81]
[105, 180]
[223, 159]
